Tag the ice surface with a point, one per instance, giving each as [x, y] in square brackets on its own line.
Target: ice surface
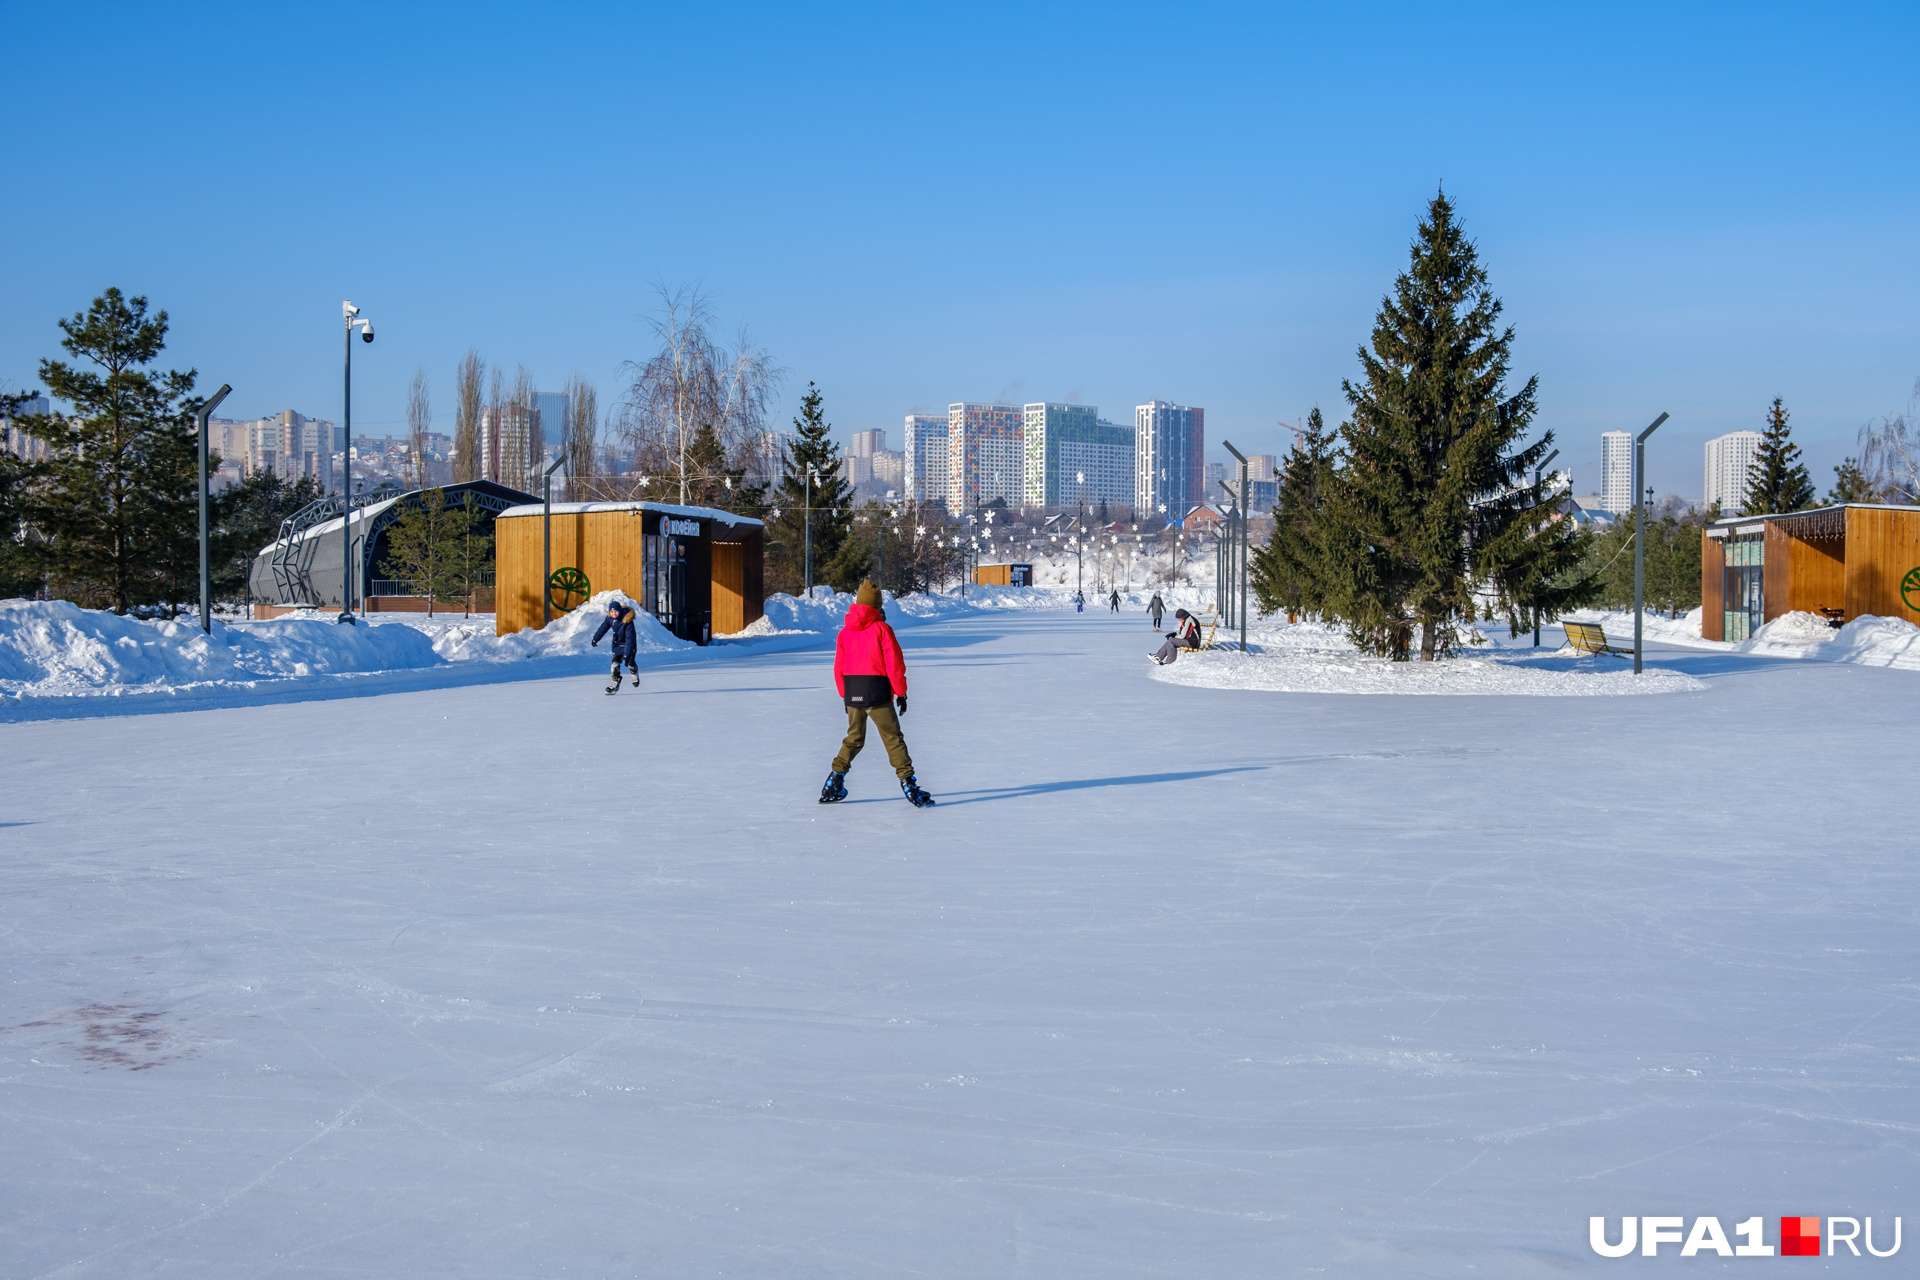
[510, 978]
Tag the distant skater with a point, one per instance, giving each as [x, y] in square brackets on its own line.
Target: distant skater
[1185, 635]
[1156, 609]
[1079, 602]
[871, 674]
[619, 620]
[1113, 601]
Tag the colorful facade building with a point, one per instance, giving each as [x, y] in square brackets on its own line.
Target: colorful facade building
[1065, 442]
[986, 455]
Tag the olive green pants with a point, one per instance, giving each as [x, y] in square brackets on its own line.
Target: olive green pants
[889, 725]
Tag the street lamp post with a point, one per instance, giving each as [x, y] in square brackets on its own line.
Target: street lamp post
[1639, 534]
[808, 517]
[1080, 533]
[1246, 507]
[206, 564]
[546, 538]
[1537, 472]
[349, 317]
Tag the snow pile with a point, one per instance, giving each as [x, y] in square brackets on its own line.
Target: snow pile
[53, 648]
[1310, 657]
[1867, 641]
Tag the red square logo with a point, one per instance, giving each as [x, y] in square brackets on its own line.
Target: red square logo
[1799, 1237]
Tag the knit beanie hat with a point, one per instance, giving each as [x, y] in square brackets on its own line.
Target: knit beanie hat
[868, 595]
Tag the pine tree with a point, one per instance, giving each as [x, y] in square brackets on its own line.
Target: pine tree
[1286, 574]
[1778, 480]
[428, 544]
[831, 501]
[116, 505]
[1434, 502]
[1850, 484]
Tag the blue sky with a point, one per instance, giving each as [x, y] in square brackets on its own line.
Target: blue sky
[1690, 209]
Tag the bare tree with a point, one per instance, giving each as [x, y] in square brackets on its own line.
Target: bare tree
[466, 423]
[582, 433]
[419, 422]
[534, 461]
[690, 382]
[1890, 452]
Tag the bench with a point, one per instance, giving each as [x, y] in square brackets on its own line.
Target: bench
[1591, 637]
[1207, 625]
[1836, 618]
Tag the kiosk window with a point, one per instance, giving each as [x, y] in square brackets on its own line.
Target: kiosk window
[1744, 587]
[664, 579]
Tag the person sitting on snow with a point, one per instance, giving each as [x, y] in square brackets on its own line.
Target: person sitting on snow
[871, 674]
[1185, 635]
[619, 620]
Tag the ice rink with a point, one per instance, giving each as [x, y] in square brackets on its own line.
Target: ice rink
[517, 980]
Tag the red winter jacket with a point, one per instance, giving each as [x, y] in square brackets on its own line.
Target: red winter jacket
[867, 647]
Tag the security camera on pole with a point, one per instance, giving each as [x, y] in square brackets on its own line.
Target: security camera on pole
[206, 568]
[1639, 534]
[349, 315]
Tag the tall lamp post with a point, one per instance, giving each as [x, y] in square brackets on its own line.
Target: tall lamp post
[349, 315]
[1537, 472]
[1246, 507]
[546, 538]
[1639, 534]
[812, 474]
[206, 564]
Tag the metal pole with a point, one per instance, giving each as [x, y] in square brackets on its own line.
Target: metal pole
[1245, 506]
[346, 490]
[1536, 482]
[1639, 536]
[546, 539]
[206, 565]
[809, 534]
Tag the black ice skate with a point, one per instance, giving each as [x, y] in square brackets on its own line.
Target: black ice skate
[910, 788]
[835, 788]
[615, 686]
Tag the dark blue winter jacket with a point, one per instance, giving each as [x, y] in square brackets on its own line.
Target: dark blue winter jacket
[623, 638]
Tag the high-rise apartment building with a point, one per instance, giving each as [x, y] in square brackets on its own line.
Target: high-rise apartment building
[1616, 472]
[924, 459]
[506, 444]
[1169, 448]
[1065, 442]
[550, 419]
[889, 469]
[1729, 459]
[1216, 474]
[19, 443]
[986, 455]
[867, 443]
[289, 444]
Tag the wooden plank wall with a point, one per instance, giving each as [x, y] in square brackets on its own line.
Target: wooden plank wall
[1816, 575]
[1882, 548]
[729, 588]
[1713, 564]
[1774, 578]
[993, 575]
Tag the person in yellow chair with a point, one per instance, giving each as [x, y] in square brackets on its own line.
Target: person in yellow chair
[1185, 635]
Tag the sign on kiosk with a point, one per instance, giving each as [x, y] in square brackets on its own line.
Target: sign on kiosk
[671, 528]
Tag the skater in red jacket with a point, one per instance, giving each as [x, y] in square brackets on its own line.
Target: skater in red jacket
[871, 675]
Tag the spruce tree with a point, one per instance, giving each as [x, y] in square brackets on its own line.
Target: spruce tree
[18, 575]
[1286, 574]
[831, 502]
[1850, 484]
[116, 504]
[1434, 502]
[1778, 480]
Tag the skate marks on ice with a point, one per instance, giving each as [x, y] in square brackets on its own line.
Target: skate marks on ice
[123, 1037]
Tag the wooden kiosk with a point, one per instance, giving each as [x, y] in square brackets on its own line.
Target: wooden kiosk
[1003, 575]
[1840, 561]
[699, 571]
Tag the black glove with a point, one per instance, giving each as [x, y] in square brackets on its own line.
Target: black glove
[594, 644]
[900, 704]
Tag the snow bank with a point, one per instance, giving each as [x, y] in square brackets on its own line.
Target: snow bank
[56, 649]
[53, 648]
[1310, 657]
[1867, 641]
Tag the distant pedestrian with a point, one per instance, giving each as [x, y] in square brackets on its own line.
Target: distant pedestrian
[871, 674]
[619, 620]
[1079, 602]
[1113, 600]
[1185, 635]
[1156, 609]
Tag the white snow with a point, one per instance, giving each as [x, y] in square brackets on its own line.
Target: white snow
[509, 978]
[1309, 657]
[1866, 640]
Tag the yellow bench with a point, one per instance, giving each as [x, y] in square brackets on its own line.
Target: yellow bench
[1591, 637]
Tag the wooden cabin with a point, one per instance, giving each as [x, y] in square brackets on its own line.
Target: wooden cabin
[701, 572]
[1003, 575]
[1842, 561]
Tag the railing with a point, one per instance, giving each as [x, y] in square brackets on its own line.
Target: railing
[402, 587]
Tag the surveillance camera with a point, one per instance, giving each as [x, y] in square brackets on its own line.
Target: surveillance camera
[366, 332]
